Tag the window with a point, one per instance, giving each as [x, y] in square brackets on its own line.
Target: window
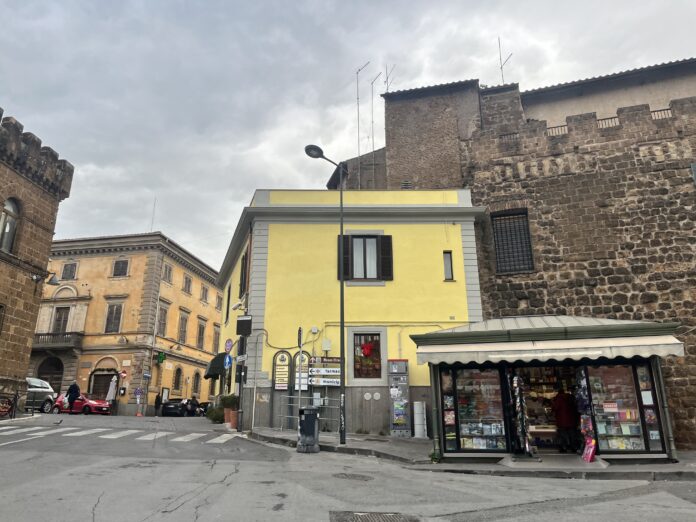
[9, 217]
[447, 257]
[183, 324]
[200, 336]
[162, 320]
[60, 319]
[367, 362]
[69, 271]
[196, 387]
[216, 338]
[243, 275]
[218, 302]
[120, 268]
[167, 273]
[187, 284]
[113, 318]
[178, 377]
[204, 293]
[513, 246]
[367, 258]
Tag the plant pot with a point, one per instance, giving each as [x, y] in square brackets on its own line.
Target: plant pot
[233, 418]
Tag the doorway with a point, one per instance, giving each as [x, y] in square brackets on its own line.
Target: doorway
[51, 370]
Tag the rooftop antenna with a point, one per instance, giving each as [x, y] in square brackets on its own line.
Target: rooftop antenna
[387, 76]
[502, 63]
[372, 110]
[357, 91]
[152, 221]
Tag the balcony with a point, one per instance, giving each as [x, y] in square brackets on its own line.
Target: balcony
[57, 340]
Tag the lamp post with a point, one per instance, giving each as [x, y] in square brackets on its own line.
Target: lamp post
[315, 152]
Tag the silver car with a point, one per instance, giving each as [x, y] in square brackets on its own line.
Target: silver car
[40, 395]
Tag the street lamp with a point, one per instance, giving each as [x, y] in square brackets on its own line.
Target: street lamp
[315, 152]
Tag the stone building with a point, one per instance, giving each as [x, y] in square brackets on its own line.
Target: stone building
[122, 301]
[590, 188]
[33, 181]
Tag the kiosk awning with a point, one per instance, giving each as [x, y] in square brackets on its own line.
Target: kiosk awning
[216, 367]
[543, 338]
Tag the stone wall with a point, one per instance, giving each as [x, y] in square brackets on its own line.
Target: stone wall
[611, 207]
[35, 177]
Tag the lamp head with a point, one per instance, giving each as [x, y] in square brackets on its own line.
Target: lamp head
[314, 151]
[53, 281]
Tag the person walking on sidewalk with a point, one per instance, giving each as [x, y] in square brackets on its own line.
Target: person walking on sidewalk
[73, 394]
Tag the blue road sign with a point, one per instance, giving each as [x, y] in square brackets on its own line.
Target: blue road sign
[228, 361]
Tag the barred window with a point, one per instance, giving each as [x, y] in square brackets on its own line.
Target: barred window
[513, 245]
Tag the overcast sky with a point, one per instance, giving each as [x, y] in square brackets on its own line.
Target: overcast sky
[199, 103]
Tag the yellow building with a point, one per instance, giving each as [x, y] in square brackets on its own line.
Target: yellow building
[410, 265]
[121, 302]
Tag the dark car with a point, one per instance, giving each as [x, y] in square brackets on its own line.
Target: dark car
[174, 408]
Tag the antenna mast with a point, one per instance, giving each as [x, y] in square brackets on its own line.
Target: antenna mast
[152, 221]
[372, 110]
[502, 63]
[387, 75]
[357, 91]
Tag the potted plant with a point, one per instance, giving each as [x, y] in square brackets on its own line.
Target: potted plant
[230, 404]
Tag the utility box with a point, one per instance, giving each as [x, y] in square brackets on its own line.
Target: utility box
[399, 403]
[308, 437]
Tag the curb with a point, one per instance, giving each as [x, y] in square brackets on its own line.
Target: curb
[617, 474]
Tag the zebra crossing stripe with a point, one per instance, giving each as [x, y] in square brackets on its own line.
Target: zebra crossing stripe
[153, 436]
[119, 434]
[189, 437]
[86, 432]
[51, 432]
[3, 428]
[23, 430]
[221, 438]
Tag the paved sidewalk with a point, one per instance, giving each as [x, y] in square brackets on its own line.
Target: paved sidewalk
[415, 454]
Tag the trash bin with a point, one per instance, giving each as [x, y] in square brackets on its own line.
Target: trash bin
[308, 437]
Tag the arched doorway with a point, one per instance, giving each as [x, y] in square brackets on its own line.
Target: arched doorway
[51, 370]
[101, 377]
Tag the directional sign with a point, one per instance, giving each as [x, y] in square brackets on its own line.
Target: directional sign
[241, 358]
[228, 345]
[324, 381]
[146, 375]
[227, 362]
[324, 360]
[324, 371]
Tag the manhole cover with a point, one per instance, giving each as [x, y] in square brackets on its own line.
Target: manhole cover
[350, 516]
[352, 476]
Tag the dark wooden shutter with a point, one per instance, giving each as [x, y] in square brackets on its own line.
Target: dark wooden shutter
[243, 277]
[386, 265]
[347, 265]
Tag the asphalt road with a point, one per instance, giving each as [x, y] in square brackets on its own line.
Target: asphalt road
[149, 469]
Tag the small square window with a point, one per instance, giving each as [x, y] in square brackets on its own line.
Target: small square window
[187, 284]
[120, 268]
[167, 273]
[69, 271]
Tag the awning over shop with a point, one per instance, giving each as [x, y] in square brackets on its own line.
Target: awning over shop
[216, 367]
[544, 338]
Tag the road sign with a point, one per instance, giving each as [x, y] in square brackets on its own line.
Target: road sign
[241, 358]
[123, 374]
[228, 345]
[138, 392]
[146, 375]
[324, 371]
[324, 360]
[227, 363]
[324, 381]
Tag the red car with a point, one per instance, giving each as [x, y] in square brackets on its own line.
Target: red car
[83, 404]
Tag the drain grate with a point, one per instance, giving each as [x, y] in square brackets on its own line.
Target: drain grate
[360, 516]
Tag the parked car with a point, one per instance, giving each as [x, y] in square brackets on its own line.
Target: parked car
[83, 404]
[174, 408]
[40, 395]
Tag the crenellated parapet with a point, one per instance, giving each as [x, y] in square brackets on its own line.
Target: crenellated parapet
[22, 151]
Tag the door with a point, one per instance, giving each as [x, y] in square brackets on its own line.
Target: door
[60, 319]
[100, 385]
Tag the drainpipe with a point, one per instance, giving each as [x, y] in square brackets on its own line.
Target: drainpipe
[434, 394]
[662, 401]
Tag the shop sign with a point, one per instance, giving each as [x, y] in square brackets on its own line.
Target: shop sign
[324, 381]
[324, 371]
[281, 371]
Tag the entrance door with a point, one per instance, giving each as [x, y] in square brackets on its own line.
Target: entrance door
[100, 385]
[51, 370]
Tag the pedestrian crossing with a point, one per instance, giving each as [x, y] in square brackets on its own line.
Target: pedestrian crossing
[37, 432]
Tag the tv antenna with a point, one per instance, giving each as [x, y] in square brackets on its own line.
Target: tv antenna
[372, 110]
[357, 91]
[152, 221]
[502, 63]
[387, 77]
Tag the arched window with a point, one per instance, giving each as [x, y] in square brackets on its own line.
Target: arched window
[177, 379]
[196, 388]
[9, 217]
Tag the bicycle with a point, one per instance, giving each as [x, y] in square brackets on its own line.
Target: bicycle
[8, 406]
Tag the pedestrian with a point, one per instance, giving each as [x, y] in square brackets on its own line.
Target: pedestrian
[192, 407]
[566, 413]
[158, 404]
[73, 394]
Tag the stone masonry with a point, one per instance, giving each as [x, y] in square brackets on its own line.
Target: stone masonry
[35, 177]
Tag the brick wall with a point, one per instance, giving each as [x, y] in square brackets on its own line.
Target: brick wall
[38, 180]
[612, 219]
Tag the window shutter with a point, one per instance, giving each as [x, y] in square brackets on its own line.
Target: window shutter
[347, 265]
[243, 276]
[386, 266]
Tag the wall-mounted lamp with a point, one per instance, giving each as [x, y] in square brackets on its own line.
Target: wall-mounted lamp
[53, 280]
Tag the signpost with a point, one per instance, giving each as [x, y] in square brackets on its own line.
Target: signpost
[241, 358]
[228, 345]
[324, 381]
[227, 362]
